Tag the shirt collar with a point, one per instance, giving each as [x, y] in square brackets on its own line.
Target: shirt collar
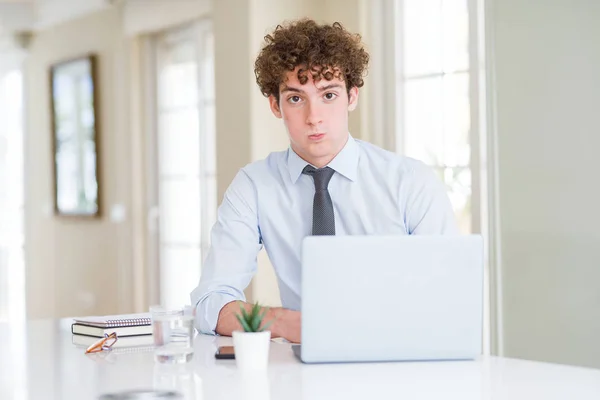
[345, 162]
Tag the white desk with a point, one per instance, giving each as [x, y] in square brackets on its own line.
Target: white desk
[46, 365]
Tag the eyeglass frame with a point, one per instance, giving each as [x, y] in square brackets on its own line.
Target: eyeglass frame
[101, 345]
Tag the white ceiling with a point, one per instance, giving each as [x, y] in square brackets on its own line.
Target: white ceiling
[34, 15]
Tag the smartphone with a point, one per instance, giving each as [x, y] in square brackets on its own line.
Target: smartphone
[225, 353]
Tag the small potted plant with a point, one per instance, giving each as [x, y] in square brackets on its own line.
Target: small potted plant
[252, 344]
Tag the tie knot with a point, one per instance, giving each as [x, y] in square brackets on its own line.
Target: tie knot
[321, 176]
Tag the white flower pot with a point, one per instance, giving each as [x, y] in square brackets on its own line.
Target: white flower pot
[251, 349]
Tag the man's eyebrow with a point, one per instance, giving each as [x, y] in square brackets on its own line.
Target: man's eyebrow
[330, 86]
[321, 89]
[291, 89]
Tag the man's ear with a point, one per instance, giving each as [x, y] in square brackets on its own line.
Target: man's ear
[274, 106]
[352, 98]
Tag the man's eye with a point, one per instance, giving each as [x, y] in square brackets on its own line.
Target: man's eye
[294, 99]
[330, 96]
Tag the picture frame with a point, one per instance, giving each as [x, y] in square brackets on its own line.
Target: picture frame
[74, 104]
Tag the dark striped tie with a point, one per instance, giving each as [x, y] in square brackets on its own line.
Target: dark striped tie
[323, 217]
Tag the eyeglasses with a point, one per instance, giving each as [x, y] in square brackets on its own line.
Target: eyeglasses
[103, 344]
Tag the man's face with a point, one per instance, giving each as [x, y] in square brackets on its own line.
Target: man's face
[315, 115]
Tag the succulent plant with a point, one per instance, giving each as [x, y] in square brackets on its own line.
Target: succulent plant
[252, 321]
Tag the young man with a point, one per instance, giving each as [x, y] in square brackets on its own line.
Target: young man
[326, 183]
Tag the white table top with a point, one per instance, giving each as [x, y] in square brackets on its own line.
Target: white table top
[39, 361]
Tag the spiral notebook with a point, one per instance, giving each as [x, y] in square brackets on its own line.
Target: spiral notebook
[139, 341]
[115, 321]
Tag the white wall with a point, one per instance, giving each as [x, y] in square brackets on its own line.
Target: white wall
[547, 55]
[78, 266]
[142, 16]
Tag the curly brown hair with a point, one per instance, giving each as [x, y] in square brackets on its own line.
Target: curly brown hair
[324, 51]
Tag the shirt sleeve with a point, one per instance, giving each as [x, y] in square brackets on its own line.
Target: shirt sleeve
[428, 209]
[231, 261]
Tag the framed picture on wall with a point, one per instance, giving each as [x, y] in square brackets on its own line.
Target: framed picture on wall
[74, 114]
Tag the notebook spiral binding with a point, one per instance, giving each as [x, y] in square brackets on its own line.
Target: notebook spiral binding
[112, 323]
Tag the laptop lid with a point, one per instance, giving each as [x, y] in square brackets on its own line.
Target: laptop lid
[391, 298]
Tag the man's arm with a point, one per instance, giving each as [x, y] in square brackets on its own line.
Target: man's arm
[286, 323]
[231, 260]
[428, 209]
[231, 264]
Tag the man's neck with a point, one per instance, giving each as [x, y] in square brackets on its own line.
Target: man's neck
[321, 162]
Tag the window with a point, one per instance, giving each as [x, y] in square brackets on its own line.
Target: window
[433, 77]
[186, 158]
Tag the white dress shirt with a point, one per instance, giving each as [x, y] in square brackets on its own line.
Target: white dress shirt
[269, 203]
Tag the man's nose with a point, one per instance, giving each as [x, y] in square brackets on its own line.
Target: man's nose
[314, 115]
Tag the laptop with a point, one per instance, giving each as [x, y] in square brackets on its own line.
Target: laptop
[391, 298]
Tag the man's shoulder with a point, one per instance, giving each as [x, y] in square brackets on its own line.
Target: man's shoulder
[265, 167]
[389, 161]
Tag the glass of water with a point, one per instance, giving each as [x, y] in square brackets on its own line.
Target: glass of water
[157, 310]
[173, 334]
